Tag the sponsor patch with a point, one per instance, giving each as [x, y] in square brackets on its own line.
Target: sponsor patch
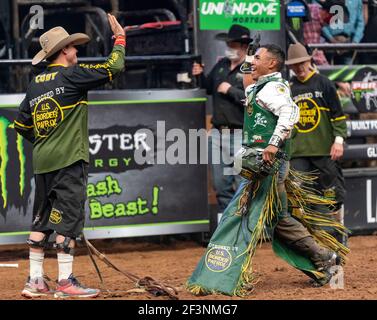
[281, 89]
[218, 259]
[260, 120]
[258, 139]
[310, 115]
[55, 216]
[249, 109]
[329, 193]
[47, 115]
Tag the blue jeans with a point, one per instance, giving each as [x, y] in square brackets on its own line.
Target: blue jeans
[282, 176]
[288, 229]
[222, 148]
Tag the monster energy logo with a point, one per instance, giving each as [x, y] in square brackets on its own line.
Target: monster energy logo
[296, 23]
[344, 74]
[5, 126]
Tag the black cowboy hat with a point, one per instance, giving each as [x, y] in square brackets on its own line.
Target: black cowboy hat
[236, 33]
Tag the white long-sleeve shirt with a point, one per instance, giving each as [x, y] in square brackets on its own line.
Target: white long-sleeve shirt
[276, 98]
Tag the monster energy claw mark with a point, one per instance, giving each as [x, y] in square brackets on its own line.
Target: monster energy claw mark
[5, 125]
[21, 158]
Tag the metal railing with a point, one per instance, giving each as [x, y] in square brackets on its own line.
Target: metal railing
[360, 47]
[132, 59]
[102, 31]
[158, 71]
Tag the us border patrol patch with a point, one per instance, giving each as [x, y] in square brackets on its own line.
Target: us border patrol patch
[47, 115]
[218, 259]
[310, 115]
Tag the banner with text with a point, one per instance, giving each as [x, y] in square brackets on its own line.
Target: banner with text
[124, 195]
[255, 15]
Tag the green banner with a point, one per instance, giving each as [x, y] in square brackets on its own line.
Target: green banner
[255, 14]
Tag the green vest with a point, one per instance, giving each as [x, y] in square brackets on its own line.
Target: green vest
[259, 123]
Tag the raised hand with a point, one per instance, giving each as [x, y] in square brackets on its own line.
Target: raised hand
[115, 26]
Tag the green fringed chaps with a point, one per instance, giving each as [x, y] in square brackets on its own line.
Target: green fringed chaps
[226, 266]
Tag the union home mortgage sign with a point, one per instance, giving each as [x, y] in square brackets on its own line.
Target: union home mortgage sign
[255, 15]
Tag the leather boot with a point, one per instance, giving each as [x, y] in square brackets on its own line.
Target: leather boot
[322, 258]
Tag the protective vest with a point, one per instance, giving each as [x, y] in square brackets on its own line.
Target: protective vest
[259, 123]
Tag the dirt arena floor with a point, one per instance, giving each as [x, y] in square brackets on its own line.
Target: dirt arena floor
[173, 260]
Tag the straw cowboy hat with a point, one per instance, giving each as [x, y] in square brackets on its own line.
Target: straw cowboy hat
[236, 33]
[56, 39]
[297, 53]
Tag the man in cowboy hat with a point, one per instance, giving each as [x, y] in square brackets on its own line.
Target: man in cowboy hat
[54, 117]
[318, 143]
[224, 83]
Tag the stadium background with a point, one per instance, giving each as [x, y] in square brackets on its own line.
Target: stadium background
[179, 198]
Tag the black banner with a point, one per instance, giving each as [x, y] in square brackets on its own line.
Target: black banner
[361, 201]
[138, 178]
[361, 128]
[360, 152]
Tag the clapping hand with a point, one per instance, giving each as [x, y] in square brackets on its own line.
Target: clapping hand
[116, 28]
